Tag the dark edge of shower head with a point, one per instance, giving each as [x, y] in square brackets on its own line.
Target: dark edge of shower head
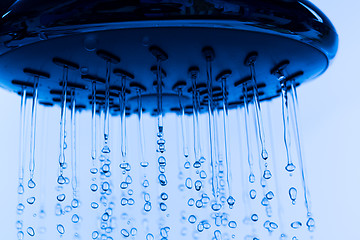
[294, 76]
[223, 75]
[73, 85]
[107, 56]
[179, 86]
[46, 104]
[251, 58]
[280, 67]
[158, 53]
[124, 74]
[93, 78]
[65, 63]
[242, 81]
[153, 69]
[137, 86]
[22, 83]
[194, 71]
[199, 86]
[59, 92]
[36, 73]
[208, 53]
[119, 89]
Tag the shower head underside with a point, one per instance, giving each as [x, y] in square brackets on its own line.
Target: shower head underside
[134, 47]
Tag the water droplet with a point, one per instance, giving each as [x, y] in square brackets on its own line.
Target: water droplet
[265, 202]
[20, 189]
[269, 195]
[20, 235]
[254, 217]
[144, 164]
[198, 185]
[75, 218]
[149, 236]
[187, 165]
[95, 234]
[133, 231]
[188, 183]
[197, 164]
[216, 206]
[191, 202]
[203, 174]
[105, 186]
[125, 233]
[251, 178]
[310, 224]
[200, 227]
[267, 174]
[31, 231]
[105, 168]
[163, 207]
[162, 180]
[75, 203]
[31, 183]
[217, 235]
[61, 180]
[93, 170]
[293, 194]
[231, 202]
[61, 197]
[192, 219]
[30, 200]
[164, 196]
[124, 201]
[19, 224]
[131, 201]
[264, 154]
[296, 225]
[128, 179]
[273, 225]
[20, 208]
[232, 224]
[199, 204]
[60, 228]
[252, 193]
[105, 149]
[147, 206]
[124, 185]
[94, 205]
[162, 161]
[145, 183]
[94, 187]
[290, 167]
[105, 216]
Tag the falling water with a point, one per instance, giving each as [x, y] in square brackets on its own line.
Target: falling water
[74, 181]
[299, 151]
[260, 127]
[247, 133]
[31, 183]
[183, 125]
[122, 100]
[93, 122]
[62, 125]
[290, 167]
[214, 181]
[161, 140]
[107, 108]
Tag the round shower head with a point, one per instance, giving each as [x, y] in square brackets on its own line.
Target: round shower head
[281, 39]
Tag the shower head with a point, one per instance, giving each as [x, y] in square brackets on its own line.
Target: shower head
[135, 36]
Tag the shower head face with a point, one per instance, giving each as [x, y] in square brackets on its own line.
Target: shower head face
[294, 31]
[182, 41]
